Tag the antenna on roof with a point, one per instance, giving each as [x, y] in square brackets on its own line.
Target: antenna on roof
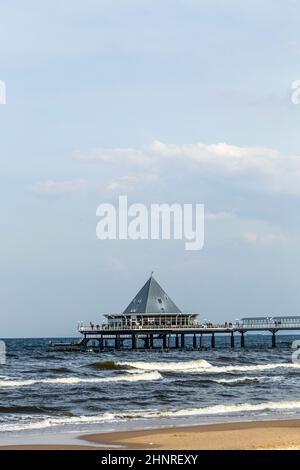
[152, 272]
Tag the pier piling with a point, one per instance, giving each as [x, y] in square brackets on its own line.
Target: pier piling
[273, 339]
[242, 339]
[117, 342]
[134, 341]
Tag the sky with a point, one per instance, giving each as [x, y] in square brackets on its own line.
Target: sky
[182, 101]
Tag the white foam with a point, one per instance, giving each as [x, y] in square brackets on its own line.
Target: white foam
[226, 409]
[16, 383]
[154, 375]
[202, 366]
[52, 421]
[233, 408]
[253, 368]
[168, 366]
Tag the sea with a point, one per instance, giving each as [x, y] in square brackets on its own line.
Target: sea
[44, 392]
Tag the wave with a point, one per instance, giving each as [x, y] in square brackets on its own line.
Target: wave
[246, 379]
[227, 357]
[77, 380]
[168, 366]
[225, 409]
[52, 422]
[54, 370]
[254, 368]
[108, 365]
[203, 366]
[32, 409]
[144, 371]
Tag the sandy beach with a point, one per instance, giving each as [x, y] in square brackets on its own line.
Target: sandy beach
[263, 435]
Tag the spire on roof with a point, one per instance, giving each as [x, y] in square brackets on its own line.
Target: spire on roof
[152, 299]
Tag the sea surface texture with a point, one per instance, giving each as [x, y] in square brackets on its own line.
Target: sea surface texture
[43, 391]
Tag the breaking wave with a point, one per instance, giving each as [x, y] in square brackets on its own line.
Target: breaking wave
[226, 409]
[77, 380]
[203, 366]
[53, 421]
[168, 366]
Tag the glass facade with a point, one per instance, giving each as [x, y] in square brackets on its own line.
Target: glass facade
[151, 320]
[269, 322]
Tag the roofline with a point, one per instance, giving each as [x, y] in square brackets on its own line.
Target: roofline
[151, 281]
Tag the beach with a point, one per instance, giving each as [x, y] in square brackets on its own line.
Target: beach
[236, 436]
[261, 435]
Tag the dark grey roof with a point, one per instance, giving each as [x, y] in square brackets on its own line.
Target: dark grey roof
[152, 299]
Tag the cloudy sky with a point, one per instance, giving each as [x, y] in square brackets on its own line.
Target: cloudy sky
[165, 101]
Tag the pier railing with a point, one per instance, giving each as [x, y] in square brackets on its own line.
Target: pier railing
[271, 325]
[106, 327]
[268, 325]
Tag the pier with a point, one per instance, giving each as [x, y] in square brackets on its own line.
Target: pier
[152, 321]
[150, 338]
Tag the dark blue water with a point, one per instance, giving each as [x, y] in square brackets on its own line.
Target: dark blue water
[42, 391]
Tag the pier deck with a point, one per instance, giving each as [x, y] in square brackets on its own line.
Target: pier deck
[101, 338]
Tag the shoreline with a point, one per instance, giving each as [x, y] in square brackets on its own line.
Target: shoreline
[240, 435]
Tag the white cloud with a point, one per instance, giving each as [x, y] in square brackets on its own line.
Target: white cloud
[263, 166]
[125, 182]
[64, 187]
[59, 187]
[129, 183]
[265, 239]
[253, 167]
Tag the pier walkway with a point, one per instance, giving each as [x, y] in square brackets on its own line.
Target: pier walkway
[164, 337]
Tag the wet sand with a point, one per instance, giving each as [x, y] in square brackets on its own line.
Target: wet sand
[261, 435]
